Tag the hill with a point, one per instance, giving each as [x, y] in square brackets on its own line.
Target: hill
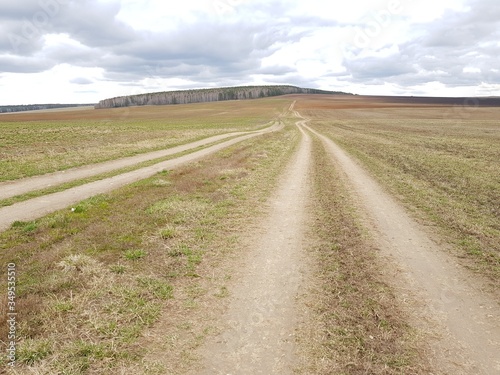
[207, 95]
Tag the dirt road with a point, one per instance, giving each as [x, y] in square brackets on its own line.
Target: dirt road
[448, 307]
[447, 301]
[37, 207]
[258, 337]
[17, 187]
[460, 323]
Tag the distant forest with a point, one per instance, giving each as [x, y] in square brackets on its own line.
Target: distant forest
[34, 107]
[207, 95]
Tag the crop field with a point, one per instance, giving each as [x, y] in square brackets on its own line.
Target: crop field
[94, 279]
[140, 279]
[442, 162]
[37, 143]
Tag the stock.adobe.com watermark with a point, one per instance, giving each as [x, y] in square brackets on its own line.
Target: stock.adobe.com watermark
[222, 7]
[36, 25]
[376, 23]
[11, 314]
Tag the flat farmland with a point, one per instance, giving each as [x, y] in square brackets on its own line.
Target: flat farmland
[37, 143]
[443, 162]
[356, 235]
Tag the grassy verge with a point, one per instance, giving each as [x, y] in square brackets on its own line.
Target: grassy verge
[93, 280]
[357, 326]
[34, 144]
[446, 171]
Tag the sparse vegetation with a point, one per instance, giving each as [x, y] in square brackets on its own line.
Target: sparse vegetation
[91, 280]
[132, 281]
[46, 142]
[356, 325]
[442, 167]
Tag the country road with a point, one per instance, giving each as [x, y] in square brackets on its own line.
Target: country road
[256, 333]
[461, 322]
[13, 188]
[37, 207]
[465, 320]
[260, 322]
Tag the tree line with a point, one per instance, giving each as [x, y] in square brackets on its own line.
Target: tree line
[35, 107]
[206, 95]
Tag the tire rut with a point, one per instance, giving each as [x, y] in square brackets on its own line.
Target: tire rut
[37, 207]
[462, 323]
[259, 326]
[10, 189]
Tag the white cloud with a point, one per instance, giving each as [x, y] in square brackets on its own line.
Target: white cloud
[471, 69]
[84, 51]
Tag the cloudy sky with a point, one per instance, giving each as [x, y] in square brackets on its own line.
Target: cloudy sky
[82, 51]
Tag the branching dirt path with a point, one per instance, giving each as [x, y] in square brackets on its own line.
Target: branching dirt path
[10, 189]
[461, 320]
[37, 207]
[258, 337]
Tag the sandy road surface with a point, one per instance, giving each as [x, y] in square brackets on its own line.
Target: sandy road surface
[464, 321]
[37, 207]
[258, 337]
[10, 189]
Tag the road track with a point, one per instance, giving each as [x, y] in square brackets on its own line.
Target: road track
[37, 207]
[259, 334]
[465, 320]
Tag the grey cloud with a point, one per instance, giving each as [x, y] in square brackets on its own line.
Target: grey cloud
[94, 23]
[278, 70]
[441, 51]
[24, 23]
[206, 48]
[217, 49]
[372, 67]
[89, 21]
[465, 29]
[21, 9]
[20, 38]
[21, 64]
[212, 49]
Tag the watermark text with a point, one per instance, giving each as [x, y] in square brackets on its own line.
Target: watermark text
[11, 314]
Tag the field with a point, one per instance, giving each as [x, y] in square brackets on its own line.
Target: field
[37, 143]
[145, 279]
[442, 162]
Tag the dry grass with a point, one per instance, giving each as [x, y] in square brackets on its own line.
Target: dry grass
[356, 326]
[115, 172]
[37, 143]
[92, 280]
[441, 163]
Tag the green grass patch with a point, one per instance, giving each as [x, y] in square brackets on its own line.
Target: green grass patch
[135, 254]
